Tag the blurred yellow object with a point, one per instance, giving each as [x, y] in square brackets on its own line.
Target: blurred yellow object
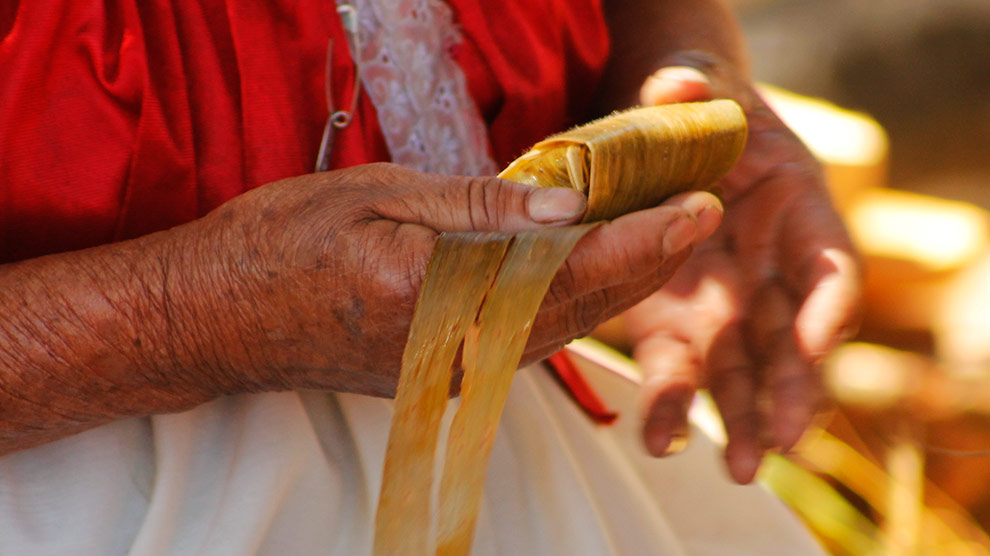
[915, 246]
[882, 380]
[935, 234]
[872, 376]
[851, 146]
[962, 325]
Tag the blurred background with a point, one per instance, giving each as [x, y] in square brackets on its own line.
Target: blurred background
[894, 97]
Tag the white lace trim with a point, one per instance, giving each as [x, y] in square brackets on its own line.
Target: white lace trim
[427, 116]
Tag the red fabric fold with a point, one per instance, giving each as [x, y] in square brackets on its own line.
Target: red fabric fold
[577, 387]
[125, 117]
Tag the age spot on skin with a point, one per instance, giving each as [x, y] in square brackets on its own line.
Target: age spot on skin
[351, 316]
[357, 307]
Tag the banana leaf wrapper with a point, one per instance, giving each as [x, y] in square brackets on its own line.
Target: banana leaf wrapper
[484, 290]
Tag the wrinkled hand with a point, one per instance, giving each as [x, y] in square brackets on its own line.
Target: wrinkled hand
[311, 282]
[753, 311]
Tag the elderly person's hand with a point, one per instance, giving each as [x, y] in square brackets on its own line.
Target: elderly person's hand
[309, 282]
[753, 311]
[318, 275]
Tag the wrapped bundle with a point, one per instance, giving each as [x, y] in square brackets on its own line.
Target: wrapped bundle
[484, 289]
[635, 159]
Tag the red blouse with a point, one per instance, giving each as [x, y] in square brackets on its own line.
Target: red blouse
[122, 117]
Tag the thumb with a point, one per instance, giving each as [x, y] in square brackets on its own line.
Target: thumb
[675, 84]
[484, 204]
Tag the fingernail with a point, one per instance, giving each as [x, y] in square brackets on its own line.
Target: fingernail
[657, 441]
[660, 443]
[682, 73]
[709, 220]
[743, 465]
[678, 442]
[555, 204]
[679, 234]
[665, 434]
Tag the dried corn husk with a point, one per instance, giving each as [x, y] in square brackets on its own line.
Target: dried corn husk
[487, 288]
[424, 384]
[635, 159]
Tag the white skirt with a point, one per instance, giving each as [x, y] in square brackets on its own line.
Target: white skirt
[297, 474]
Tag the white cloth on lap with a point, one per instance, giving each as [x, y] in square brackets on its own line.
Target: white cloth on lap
[296, 474]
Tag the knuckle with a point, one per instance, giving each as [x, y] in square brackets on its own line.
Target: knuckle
[732, 383]
[795, 383]
[741, 421]
[562, 288]
[485, 201]
[589, 310]
[397, 277]
[778, 343]
[373, 176]
[665, 353]
[499, 200]
[413, 271]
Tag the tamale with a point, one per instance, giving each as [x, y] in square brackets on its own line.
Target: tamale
[485, 289]
[635, 159]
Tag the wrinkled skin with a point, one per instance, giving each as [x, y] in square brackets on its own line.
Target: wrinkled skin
[752, 312]
[309, 282]
[319, 274]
